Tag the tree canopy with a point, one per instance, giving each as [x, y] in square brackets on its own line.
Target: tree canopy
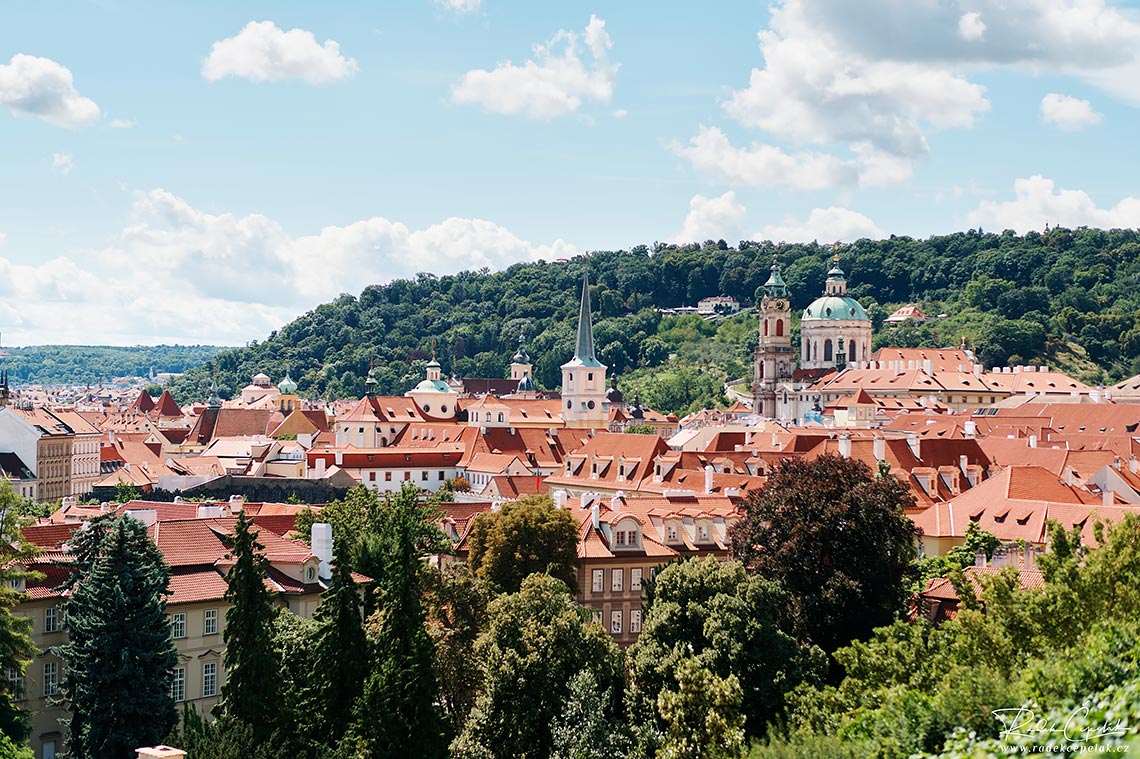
[525, 536]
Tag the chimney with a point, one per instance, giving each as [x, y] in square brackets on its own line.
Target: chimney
[616, 499]
[339, 457]
[68, 502]
[111, 436]
[915, 444]
[1032, 441]
[320, 467]
[980, 558]
[978, 370]
[970, 428]
[559, 497]
[1095, 396]
[322, 543]
[928, 366]
[880, 449]
[596, 514]
[1030, 560]
[1106, 498]
[964, 463]
[1133, 465]
[209, 512]
[845, 445]
[237, 503]
[496, 505]
[708, 478]
[1069, 472]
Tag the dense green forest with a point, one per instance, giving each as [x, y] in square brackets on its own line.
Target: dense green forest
[98, 364]
[1068, 298]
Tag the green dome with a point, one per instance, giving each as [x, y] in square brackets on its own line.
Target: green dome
[835, 307]
[432, 386]
[287, 386]
[433, 364]
[526, 385]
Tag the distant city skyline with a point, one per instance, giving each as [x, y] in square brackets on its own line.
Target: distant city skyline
[205, 174]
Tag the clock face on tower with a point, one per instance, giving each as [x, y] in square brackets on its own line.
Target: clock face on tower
[781, 305]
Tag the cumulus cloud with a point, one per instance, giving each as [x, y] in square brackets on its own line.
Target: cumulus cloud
[555, 82]
[823, 224]
[868, 82]
[710, 151]
[720, 218]
[176, 272]
[62, 163]
[459, 6]
[262, 52]
[1038, 202]
[1068, 113]
[971, 26]
[43, 88]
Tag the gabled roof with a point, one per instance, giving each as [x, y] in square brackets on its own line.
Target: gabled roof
[144, 402]
[166, 405]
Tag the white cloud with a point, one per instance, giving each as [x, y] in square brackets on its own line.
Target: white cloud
[554, 82]
[823, 224]
[710, 151]
[178, 273]
[262, 52]
[719, 218]
[459, 6]
[971, 27]
[868, 82]
[1037, 202]
[121, 124]
[1068, 113]
[62, 163]
[43, 88]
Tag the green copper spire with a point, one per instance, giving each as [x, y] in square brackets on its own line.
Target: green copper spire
[776, 286]
[584, 349]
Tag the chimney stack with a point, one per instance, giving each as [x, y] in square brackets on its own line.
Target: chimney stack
[708, 478]
[880, 448]
[845, 445]
[596, 514]
[616, 499]
[1032, 441]
[322, 544]
[980, 558]
[970, 428]
[1106, 497]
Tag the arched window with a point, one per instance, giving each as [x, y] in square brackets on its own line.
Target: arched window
[827, 350]
[765, 328]
[779, 328]
[500, 416]
[851, 352]
[760, 367]
[815, 351]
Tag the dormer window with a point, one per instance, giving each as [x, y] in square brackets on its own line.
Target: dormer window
[310, 574]
[671, 532]
[703, 531]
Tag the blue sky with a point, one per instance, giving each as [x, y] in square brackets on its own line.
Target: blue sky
[206, 172]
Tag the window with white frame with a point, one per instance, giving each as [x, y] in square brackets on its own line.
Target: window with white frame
[599, 581]
[619, 538]
[209, 679]
[616, 577]
[51, 619]
[16, 684]
[210, 622]
[635, 579]
[670, 532]
[178, 625]
[51, 678]
[703, 530]
[635, 621]
[615, 621]
[178, 684]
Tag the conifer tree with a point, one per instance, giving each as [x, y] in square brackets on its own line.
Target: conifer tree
[396, 715]
[249, 694]
[340, 654]
[16, 649]
[119, 656]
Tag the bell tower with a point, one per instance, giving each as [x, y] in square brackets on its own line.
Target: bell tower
[773, 361]
[584, 376]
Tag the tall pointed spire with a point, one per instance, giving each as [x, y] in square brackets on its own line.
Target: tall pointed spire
[584, 349]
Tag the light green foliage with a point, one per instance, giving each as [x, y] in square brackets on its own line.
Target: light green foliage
[730, 623]
[16, 649]
[525, 536]
[911, 686]
[95, 364]
[536, 642]
[587, 728]
[701, 715]
[958, 557]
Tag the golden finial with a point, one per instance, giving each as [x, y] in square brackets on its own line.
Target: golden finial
[433, 347]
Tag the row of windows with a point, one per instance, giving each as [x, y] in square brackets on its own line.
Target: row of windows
[50, 682]
[617, 579]
[209, 681]
[424, 476]
[209, 623]
[616, 619]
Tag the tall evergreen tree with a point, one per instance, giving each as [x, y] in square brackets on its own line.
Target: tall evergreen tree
[249, 694]
[340, 654]
[397, 716]
[119, 656]
[16, 649]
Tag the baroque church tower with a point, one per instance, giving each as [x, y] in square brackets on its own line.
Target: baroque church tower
[773, 361]
[584, 376]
